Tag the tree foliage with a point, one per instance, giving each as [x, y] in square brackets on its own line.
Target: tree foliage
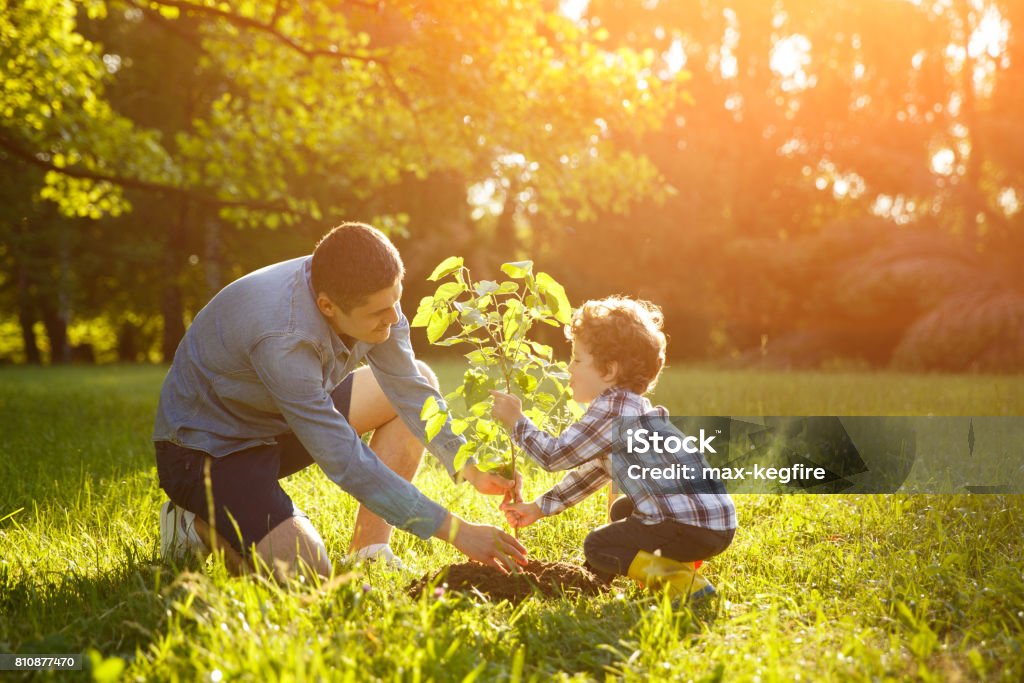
[665, 149]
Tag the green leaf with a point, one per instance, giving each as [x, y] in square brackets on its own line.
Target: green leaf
[450, 341]
[485, 287]
[478, 387]
[508, 287]
[423, 312]
[104, 668]
[512, 320]
[477, 356]
[430, 408]
[576, 409]
[487, 429]
[464, 454]
[449, 291]
[472, 318]
[526, 382]
[459, 426]
[435, 424]
[517, 269]
[555, 298]
[542, 400]
[446, 267]
[438, 325]
[542, 350]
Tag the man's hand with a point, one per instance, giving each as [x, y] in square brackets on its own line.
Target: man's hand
[507, 408]
[493, 484]
[519, 515]
[483, 543]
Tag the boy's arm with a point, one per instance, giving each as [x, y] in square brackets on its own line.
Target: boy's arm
[581, 441]
[574, 487]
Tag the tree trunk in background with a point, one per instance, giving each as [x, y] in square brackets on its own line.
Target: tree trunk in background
[212, 256]
[57, 331]
[127, 343]
[172, 310]
[172, 305]
[27, 319]
[63, 317]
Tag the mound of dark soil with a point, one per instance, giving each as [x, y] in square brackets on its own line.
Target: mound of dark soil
[547, 578]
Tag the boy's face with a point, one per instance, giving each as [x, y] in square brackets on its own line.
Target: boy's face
[586, 380]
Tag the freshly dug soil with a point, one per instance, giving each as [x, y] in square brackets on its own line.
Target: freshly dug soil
[548, 578]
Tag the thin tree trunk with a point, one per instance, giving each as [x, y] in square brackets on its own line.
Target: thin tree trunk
[57, 332]
[212, 256]
[172, 306]
[27, 319]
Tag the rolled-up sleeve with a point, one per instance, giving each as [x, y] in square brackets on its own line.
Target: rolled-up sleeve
[291, 370]
[394, 365]
[580, 442]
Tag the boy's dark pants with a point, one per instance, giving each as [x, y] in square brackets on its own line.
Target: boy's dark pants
[611, 549]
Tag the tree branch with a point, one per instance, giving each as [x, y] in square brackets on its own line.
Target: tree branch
[15, 150]
[268, 28]
[161, 21]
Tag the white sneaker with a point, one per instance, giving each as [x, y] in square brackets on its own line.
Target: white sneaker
[379, 552]
[178, 537]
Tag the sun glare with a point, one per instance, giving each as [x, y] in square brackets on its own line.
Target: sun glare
[789, 57]
[574, 9]
[990, 36]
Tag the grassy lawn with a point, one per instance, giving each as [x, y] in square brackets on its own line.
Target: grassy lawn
[814, 587]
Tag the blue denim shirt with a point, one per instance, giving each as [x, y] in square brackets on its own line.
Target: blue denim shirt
[260, 360]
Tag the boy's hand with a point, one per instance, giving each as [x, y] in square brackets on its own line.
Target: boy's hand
[493, 484]
[483, 543]
[507, 408]
[519, 515]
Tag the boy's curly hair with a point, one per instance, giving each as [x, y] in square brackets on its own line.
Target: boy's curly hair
[624, 331]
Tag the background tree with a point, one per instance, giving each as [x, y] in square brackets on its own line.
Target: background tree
[747, 165]
[264, 115]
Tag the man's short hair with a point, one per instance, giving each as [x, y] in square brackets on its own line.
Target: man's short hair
[624, 331]
[353, 261]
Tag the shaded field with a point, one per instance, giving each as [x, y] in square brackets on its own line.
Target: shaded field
[824, 587]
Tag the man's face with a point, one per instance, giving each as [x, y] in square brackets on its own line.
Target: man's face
[370, 322]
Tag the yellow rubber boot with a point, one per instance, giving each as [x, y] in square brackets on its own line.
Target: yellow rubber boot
[682, 579]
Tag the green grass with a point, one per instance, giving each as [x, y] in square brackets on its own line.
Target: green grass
[820, 588]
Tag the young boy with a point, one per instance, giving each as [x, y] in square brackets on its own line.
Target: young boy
[618, 353]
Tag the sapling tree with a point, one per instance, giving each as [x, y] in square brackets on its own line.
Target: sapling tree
[495, 319]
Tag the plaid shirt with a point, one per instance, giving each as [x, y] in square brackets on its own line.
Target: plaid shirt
[587, 446]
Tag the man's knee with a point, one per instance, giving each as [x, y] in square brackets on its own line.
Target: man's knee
[428, 373]
[293, 545]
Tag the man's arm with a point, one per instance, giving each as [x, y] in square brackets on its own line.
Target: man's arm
[394, 366]
[292, 372]
[483, 543]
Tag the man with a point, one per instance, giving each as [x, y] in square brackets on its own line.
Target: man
[264, 383]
